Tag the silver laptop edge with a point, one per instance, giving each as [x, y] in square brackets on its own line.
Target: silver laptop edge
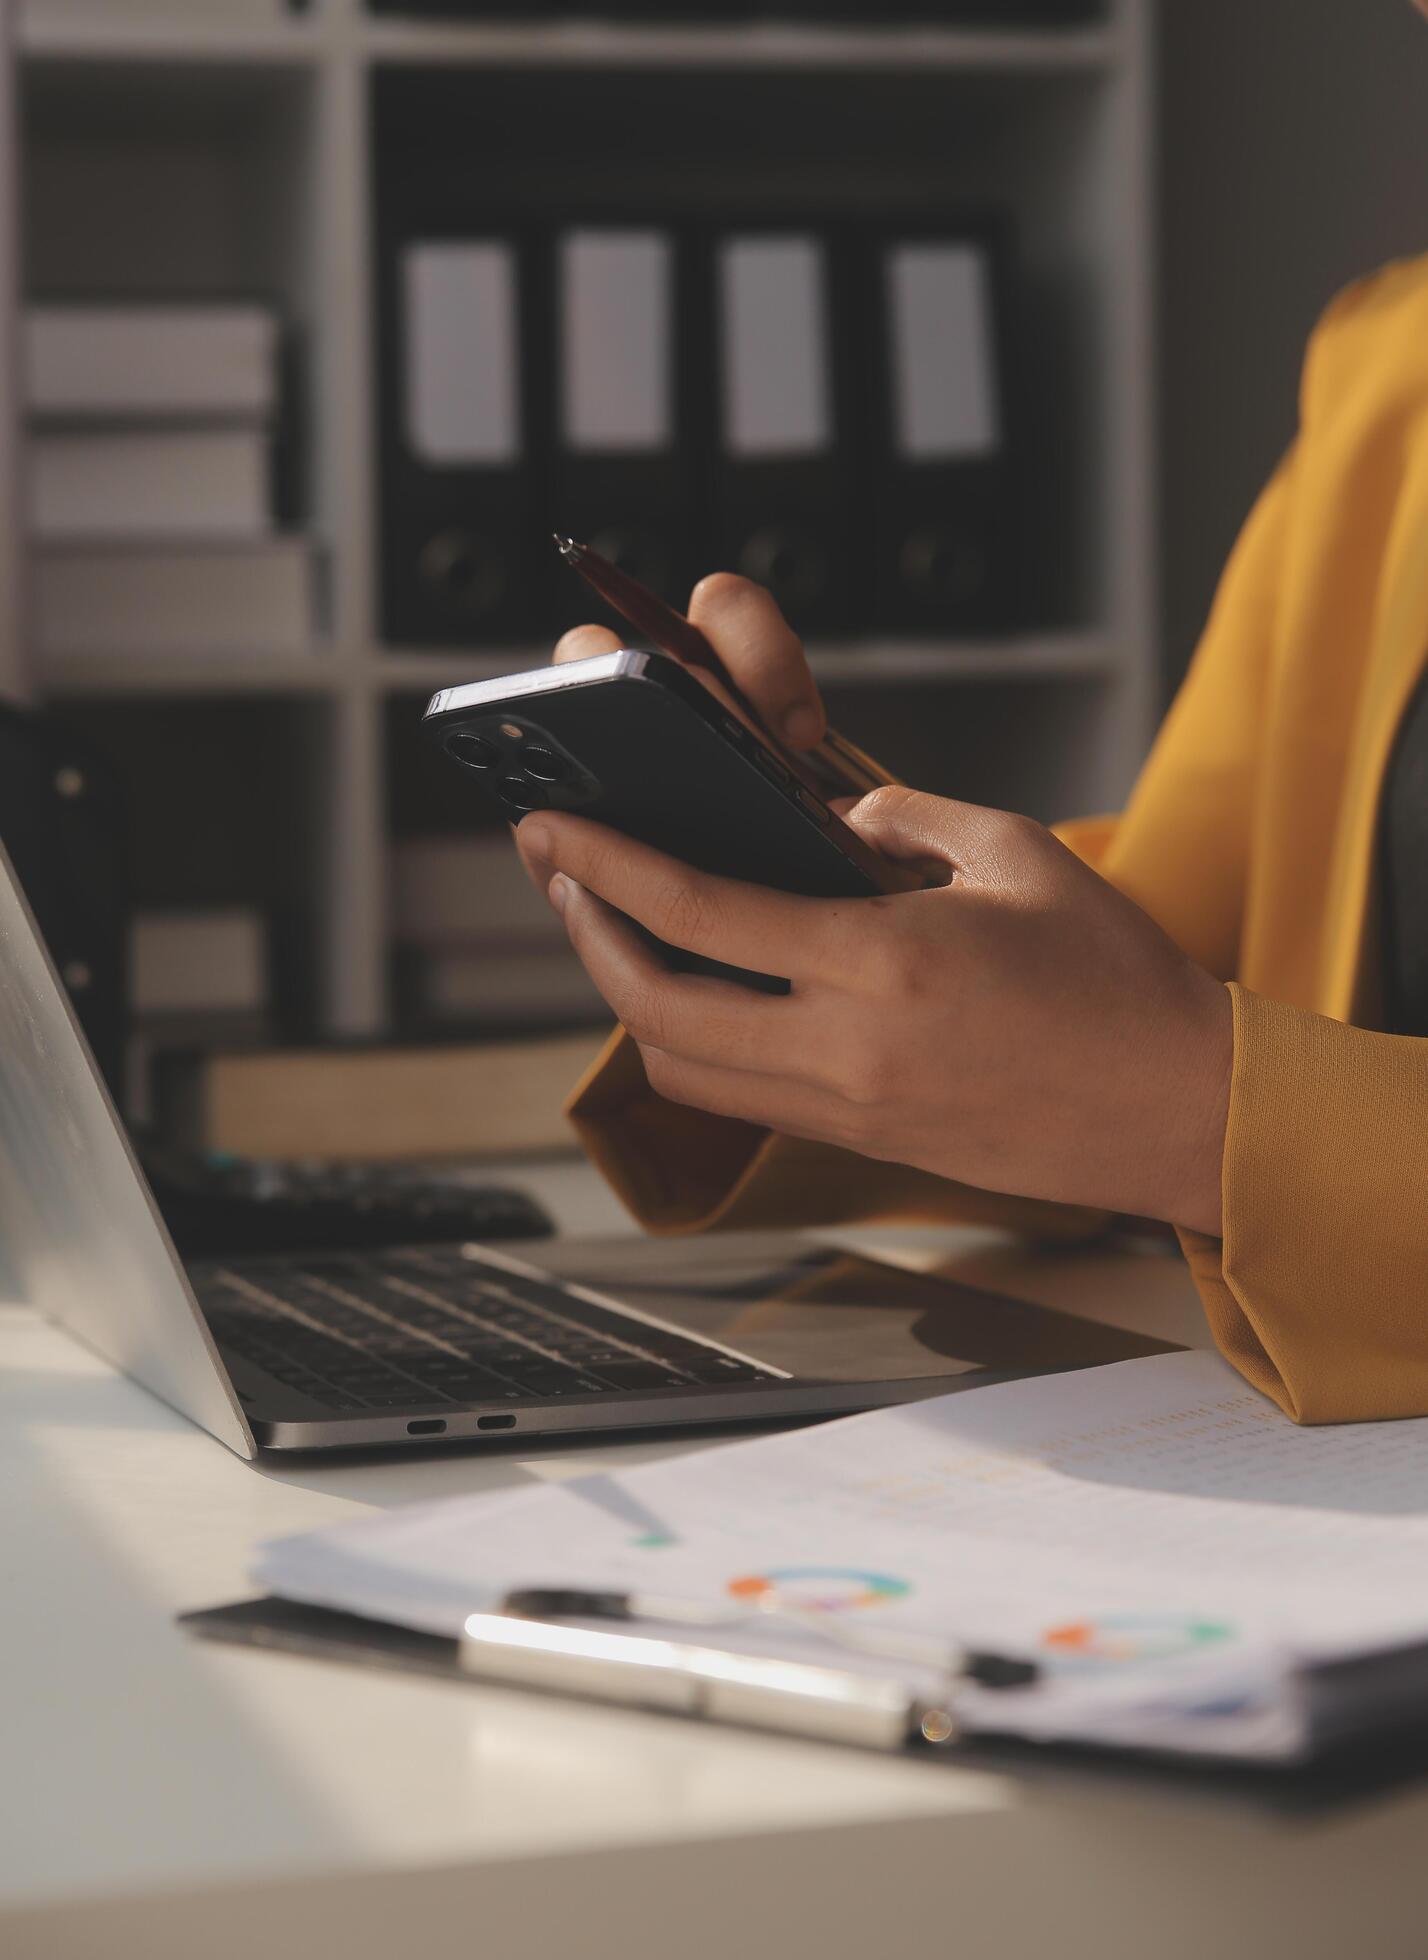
[81, 1233]
[86, 1245]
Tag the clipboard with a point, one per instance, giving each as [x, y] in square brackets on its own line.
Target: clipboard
[833, 1704]
[1363, 1768]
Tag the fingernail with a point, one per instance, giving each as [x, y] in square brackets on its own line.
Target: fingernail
[801, 727]
[558, 891]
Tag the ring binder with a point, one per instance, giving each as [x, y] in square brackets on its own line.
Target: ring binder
[783, 470]
[622, 472]
[940, 448]
[460, 332]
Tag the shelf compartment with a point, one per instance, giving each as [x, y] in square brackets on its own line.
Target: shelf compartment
[176, 183]
[170, 185]
[220, 798]
[831, 147]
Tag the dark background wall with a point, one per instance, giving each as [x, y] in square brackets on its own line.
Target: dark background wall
[1294, 155]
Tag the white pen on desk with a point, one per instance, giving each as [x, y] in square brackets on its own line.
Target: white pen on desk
[950, 1660]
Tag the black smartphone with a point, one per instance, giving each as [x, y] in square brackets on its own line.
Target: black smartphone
[637, 742]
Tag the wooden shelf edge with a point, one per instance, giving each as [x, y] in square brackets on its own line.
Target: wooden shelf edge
[1029, 657]
[858, 663]
[39, 38]
[186, 674]
[757, 45]
[576, 44]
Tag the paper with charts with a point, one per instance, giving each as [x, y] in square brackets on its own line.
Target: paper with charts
[1176, 1555]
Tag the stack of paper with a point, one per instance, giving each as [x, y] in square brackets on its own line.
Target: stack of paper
[198, 963]
[150, 483]
[478, 944]
[197, 978]
[1181, 1562]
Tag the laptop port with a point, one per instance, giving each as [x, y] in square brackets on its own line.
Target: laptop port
[431, 1427]
[495, 1422]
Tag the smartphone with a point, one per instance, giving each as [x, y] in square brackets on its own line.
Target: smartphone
[635, 741]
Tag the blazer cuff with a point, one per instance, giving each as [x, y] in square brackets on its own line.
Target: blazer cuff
[1315, 1292]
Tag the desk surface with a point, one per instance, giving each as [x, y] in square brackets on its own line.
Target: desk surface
[159, 1793]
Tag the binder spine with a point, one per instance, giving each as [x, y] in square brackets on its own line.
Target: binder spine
[940, 487]
[782, 480]
[462, 332]
[623, 473]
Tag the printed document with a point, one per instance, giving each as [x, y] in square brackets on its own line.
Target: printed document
[1177, 1557]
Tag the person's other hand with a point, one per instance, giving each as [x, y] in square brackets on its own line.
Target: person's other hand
[1024, 1027]
[743, 624]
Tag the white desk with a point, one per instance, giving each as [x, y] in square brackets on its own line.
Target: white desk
[165, 1798]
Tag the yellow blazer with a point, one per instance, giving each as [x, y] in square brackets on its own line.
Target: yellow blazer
[1251, 838]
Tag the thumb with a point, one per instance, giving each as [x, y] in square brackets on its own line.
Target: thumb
[934, 832]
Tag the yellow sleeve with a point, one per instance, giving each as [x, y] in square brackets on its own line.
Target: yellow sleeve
[1181, 848]
[1316, 1291]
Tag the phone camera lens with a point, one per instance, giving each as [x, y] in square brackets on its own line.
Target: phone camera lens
[474, 750]
[545, 765]
[520, 794]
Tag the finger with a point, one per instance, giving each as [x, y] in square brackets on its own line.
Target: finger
[539, 870]
[905, 824]
[745, 925]
[584, 642]
[772, 1102]
[743, 624]
[687, 1014]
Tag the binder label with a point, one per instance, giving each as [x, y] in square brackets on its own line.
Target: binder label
[944, 382]
[776, 381]
[461, 373]
[615, 331]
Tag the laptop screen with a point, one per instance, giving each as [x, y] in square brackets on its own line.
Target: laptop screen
[83, 1241]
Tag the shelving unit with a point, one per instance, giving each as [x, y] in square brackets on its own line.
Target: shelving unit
[256, 140]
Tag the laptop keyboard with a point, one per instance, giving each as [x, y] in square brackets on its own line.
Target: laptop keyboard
[429, 1328]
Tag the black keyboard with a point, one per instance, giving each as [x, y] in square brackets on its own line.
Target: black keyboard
[427, 1327]
[234, 1207]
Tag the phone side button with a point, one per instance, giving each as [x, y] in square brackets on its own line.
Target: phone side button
[814, 807]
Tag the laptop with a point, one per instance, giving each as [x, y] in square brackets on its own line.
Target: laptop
[451, 1343]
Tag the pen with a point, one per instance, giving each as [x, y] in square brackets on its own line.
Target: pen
[951, 1660]
[833, 767]
[637, 1670]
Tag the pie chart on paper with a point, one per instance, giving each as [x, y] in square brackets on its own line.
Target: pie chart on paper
[1118, 1639]
[817, 1589]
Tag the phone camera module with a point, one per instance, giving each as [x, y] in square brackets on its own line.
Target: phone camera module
[474, 750]
[520, 794]
[544, 764]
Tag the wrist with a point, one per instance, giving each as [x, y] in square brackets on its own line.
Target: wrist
[1193, 1194]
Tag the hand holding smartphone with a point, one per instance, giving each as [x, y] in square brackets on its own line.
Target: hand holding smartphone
[635, 741]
